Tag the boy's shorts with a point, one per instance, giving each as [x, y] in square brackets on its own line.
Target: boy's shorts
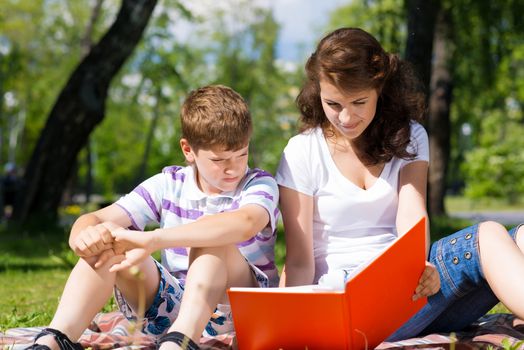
[166, 305]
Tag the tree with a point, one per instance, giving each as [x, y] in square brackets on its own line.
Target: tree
[243, 56]
[78, 109]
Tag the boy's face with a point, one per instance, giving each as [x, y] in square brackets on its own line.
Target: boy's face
[217, 170]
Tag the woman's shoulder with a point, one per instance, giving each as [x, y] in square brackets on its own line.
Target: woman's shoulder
[417, 128]
[305, 137]
[419, 143]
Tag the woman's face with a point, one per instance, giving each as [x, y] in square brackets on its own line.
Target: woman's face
[349, 113]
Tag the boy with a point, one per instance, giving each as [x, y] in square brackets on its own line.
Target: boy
[225, 212]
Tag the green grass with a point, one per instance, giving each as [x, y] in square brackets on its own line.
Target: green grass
[35, 264]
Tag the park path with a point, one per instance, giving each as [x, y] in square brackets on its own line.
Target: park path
[504, 217]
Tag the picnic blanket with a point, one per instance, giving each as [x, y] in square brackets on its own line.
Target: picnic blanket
[112, 331]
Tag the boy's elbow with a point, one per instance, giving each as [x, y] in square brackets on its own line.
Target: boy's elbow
[251, 225]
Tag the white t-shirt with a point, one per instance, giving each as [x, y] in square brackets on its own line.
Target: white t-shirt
[350, 225]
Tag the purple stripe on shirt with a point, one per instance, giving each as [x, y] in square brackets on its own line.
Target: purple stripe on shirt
[178, 177]
[269, 266]
[261, 193]
[246, 243]
[260, 238]
[147, 197]
[133, 223]
[235, 205]
[181, 212]
[179, 251]
[261, 173]
[175, 173]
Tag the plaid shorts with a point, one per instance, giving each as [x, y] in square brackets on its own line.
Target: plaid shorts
[166, 305]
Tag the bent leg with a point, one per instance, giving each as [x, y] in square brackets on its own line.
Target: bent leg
[86, 292]
[503, 264]
[211, 272]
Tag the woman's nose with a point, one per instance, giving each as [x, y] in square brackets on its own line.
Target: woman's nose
[344, 115]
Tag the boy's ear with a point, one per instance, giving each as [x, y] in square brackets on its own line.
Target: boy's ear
[187, 150]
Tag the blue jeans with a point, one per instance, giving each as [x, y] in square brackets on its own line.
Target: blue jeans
[464, 294]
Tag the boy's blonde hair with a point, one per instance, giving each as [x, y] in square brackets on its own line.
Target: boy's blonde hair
[216, 116]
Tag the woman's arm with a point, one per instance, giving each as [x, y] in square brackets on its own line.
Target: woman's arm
[412, 197]
[412, 207]
[297, 214]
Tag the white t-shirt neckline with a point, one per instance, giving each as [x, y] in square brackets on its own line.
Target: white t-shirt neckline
[329, 158]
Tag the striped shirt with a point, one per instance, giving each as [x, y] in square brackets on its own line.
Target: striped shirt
[172, 198]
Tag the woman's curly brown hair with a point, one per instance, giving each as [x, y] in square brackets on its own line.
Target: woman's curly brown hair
[353, 60]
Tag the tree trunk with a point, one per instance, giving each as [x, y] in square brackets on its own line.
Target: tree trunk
[150, 136]
[422, 19]
[439, 123]
[78, 109]
[422, 15]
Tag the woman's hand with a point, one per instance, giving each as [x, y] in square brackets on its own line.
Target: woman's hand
[429, 282]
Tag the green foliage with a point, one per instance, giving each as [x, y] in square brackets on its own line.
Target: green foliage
[384, 19]
[512, 346]
[487, 56]
[496, 168]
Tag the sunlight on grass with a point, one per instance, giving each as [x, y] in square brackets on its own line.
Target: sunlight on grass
[29, 298]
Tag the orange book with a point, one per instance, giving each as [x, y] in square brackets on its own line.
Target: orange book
[375, 302]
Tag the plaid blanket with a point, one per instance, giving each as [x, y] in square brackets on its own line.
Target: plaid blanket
[113, 331]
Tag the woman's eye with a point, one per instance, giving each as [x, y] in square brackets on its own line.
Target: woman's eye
[335, 106]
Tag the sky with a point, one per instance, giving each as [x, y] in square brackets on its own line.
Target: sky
[301, 22]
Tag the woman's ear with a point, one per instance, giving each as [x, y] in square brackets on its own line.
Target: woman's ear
[187, 150]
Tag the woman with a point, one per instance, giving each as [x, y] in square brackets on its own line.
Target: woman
[355, 178]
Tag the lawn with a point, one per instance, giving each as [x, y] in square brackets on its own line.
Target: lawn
[34, 268]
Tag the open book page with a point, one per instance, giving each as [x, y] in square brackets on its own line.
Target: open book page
[312, 288]
[337, 279]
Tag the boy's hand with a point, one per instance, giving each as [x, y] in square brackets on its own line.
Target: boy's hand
[92, 241]
[429, 282]
[135, 246]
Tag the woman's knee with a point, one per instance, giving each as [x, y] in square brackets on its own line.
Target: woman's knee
[491, 230]
[519, 237]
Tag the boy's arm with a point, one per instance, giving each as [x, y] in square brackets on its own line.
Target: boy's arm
[89, 237]
[211, 230]
[215, 230]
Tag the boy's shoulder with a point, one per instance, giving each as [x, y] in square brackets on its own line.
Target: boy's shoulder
[257, 173]
[173, 169]
[256, 176]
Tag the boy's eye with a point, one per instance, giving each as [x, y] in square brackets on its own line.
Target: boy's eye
[359, 102]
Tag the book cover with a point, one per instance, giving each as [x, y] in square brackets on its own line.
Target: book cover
[375, 302]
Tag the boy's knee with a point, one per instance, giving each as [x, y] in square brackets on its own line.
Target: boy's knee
[219, 251]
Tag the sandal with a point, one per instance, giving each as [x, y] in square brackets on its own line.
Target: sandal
[63, 341]
[180, 339]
